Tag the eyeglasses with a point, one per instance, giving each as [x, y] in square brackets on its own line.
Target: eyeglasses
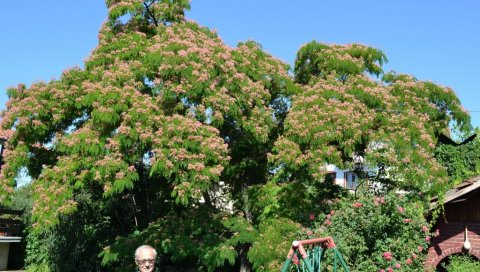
[145, 261]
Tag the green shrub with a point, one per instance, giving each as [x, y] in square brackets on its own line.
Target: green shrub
[462, 263]
[377, 233]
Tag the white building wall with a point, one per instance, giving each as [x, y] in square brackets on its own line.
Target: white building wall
[340, 177]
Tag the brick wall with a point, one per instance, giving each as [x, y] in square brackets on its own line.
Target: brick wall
[450, 241]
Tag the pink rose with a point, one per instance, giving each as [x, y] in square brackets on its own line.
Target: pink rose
[401, 210]
[332, 212]
[408, 261]
[397, 265]
[357, 204]
[420, 248]
[311, 217]
[424, 228]
[414, 255]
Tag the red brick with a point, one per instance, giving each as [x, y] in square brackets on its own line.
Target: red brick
[451, 241]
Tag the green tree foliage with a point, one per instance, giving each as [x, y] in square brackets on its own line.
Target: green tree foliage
[161, 113]
[213, 154]
[461, 162]
[343, 116]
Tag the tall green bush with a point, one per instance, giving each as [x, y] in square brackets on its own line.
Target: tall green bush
[377, 233]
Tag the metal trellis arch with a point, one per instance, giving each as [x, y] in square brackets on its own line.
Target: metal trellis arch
[311, 253]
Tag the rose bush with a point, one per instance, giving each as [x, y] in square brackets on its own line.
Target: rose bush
[377, 233]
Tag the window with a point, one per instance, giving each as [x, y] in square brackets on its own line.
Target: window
[351, 180]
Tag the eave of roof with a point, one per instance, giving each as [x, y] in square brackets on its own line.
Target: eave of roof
[459, 190]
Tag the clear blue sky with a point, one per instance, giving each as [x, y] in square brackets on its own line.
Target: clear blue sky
[436, 40]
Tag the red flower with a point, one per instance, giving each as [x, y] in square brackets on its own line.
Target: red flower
[407, 220]
[311, 217]
[357, 204]
[332, 212]
[427, 238]
[328, 222]
[387, 255]
[408, 261]
[389, 269]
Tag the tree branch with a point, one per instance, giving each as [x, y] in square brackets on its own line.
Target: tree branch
[150, 13]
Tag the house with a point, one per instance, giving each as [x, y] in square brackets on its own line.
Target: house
[458, 228]
[10, 232]
[345, 178]
[10, 224]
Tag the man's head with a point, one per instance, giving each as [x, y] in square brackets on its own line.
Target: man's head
[145, 257]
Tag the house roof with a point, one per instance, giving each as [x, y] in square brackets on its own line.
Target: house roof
[461, 189]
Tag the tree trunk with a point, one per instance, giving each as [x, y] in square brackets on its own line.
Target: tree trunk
[245, 265]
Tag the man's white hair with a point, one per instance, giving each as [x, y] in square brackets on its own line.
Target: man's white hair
[144, 247]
